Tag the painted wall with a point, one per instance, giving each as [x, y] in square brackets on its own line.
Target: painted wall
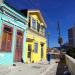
[7, 58]
[36, 17]
[36, 57]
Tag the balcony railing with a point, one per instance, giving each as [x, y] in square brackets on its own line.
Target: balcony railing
[36, 32]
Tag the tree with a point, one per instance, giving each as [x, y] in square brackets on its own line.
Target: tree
[60, 41]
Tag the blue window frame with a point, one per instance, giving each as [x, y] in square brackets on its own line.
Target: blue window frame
[35, 47]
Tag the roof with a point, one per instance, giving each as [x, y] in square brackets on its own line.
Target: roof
[39, 13]
[26, 11]
[15, 9]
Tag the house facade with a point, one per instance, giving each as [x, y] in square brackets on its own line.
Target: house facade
[13, 28]
[71, 37]
[36, 40]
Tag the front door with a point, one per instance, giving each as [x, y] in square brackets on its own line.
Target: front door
[41, 51]
[29, 53]
[19, 46]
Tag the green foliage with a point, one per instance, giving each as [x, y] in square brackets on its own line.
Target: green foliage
[60, 41]
[63, 50]
[71, 52]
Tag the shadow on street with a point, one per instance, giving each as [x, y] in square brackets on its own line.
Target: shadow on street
[60, 68]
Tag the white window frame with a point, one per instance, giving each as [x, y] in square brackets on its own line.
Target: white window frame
[32, 23]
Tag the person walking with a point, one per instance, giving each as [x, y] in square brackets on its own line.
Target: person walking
[48, 57]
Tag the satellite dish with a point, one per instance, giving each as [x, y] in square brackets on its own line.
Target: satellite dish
[1, 1]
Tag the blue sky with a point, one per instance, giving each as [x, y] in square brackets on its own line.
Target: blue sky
[52, 11]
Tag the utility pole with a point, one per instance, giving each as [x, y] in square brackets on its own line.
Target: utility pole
[60, 41]
[58, 29]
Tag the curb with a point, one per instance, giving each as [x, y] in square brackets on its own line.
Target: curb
[44, 73]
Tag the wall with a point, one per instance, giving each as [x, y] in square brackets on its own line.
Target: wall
[36, 57]
[71, 64]
[38, 38]
[16, 24]
[6, 56]
[74, 37]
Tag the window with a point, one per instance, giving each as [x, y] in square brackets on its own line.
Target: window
[38, 27]
[35, 47]
[42, 29]
[29, 24]
[6, 39]
[33, 23]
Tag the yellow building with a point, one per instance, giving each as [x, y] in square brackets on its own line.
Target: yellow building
[36, 40]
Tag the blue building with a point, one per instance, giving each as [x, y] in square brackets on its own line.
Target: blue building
[13, 27]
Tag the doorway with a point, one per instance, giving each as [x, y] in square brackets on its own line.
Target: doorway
[19, 46]
[29, 52]
[42, 51]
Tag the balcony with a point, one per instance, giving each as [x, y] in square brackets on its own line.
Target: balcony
[36, 27]
[31, 30]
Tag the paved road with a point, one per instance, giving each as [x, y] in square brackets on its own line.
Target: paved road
[52, 70]
[31, 69]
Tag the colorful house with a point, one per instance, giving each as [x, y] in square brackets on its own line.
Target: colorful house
[36, 39]
[13, 28]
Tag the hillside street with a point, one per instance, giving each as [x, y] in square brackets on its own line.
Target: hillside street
[31, 69]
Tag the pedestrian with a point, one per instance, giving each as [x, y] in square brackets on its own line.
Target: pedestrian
[48, 57]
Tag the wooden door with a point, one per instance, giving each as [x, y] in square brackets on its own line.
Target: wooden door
[41, 51]
[29, 52]
[19, 46]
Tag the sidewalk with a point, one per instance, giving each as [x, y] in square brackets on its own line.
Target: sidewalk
[31, 69]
